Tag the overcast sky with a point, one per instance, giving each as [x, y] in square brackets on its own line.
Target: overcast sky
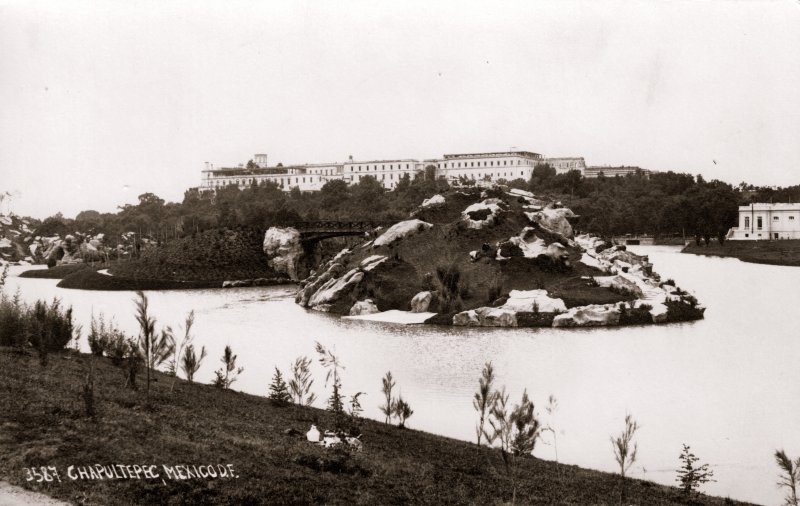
[103, 101]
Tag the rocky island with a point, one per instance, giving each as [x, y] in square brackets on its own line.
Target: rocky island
[488, 257]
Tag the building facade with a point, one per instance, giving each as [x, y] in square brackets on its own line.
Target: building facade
[761, 222]
[566, 164]
[494, 166]
[596, 171]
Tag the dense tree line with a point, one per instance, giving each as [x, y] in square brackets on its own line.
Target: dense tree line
[659, 204]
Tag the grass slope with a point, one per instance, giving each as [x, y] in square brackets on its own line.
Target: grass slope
[43, 425]
[786, 252]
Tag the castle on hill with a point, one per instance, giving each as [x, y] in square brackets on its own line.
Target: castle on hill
[495, 166]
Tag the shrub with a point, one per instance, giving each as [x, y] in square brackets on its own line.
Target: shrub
[226, 375]
[300, 384]
[191, 361]
[403, 411]
[278, 391]
[103, 336]
[790, 477]
[691, 476]
[50, 327]
[13, 321]
[388, 407]
[484, 399]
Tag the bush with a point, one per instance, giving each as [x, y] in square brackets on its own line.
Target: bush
[102, 337]
[50, 326]
[13, 321]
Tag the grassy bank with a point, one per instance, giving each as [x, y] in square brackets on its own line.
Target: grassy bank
[58, 272]
[89, 279]
[759, 252]
[43, 424]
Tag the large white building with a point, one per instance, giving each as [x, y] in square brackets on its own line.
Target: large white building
[507, 165]
[767, 222]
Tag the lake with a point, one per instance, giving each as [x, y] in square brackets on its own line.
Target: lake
[728, 385]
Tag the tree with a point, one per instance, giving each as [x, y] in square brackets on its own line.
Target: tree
[331, 362]
[300, 384]
[552, 407]
[516, 430]
[278, 391]
[485, 399]
[790, 477]
[403, 411]
[388, 408]
[228, 373]
[691, 476]
[155, 348]
[191, 362]
[179, 349]
[625, 448]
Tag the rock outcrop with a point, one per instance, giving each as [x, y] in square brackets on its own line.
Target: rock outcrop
[363, 307]
[553, 220]
[421, 302]
[398, 231]
[481, 214]
[284, 250]
[593, 315]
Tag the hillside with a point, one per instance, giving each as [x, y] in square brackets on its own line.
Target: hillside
[44, 425]
[495, 257]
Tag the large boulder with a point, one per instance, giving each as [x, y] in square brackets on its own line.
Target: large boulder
[589, 316]
[481, 214]
[421, 302]
[363, 307]
[533, 301]
[400, 230]
[435, 201]
[620, 284]
[335, 290]
[284, 250]
[553, 220]
[486, 317]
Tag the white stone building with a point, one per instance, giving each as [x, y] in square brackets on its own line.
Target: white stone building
[761, 222]
[387, 172]
[566, 164]
[507, 165]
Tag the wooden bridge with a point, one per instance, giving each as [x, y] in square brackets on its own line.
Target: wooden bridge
[313, 231]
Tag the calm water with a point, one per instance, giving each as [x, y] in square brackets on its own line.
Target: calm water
[728, 385]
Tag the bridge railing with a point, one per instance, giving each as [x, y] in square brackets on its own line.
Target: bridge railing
[337, 226]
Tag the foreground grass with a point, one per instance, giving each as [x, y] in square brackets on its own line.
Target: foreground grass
[783, 252]
[42, 424]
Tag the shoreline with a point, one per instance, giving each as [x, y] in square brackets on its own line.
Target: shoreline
[780, 252]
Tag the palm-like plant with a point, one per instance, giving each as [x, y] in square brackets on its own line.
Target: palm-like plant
[155, 347]
[300, 384]
[387, 386]
[484, 399]
[191, 361]
[790, 477]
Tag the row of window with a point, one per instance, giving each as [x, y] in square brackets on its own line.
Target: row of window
[457, 165]
[383, 167]
[760, 223]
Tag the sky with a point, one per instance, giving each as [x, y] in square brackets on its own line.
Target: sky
[103, 101]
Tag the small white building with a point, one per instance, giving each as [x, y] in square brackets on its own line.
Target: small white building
[762, 222]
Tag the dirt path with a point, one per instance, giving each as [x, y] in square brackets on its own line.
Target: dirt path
[11, 495]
